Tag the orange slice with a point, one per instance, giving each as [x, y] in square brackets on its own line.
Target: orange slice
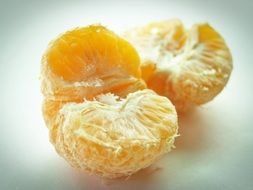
[190, 67]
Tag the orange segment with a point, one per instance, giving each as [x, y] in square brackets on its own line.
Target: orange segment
[192, 66]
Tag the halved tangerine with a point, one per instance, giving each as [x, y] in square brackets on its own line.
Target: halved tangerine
[99, 117]
[88, 61]
[114, 137]
[190, 67]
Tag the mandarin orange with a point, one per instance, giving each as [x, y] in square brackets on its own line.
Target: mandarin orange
[189, 66]
[99, 117]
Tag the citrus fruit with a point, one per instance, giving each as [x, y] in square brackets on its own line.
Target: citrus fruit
[114, 137]
[189, 66]
[87, 61]
[100, 117]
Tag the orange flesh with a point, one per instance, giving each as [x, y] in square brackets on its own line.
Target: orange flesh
[86, 55]
[74, 54]
[206, 33]
[189, 66]
[147, 70]
[98, 116]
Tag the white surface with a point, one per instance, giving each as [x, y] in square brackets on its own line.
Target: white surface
[215, 150]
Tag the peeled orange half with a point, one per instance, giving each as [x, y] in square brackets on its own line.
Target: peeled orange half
[88, 61]
[189, 66]
[115, 137]
[100, 117]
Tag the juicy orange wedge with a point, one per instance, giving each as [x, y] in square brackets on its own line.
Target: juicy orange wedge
[189, 66]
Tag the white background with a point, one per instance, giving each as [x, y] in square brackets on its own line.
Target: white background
[215, 150]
